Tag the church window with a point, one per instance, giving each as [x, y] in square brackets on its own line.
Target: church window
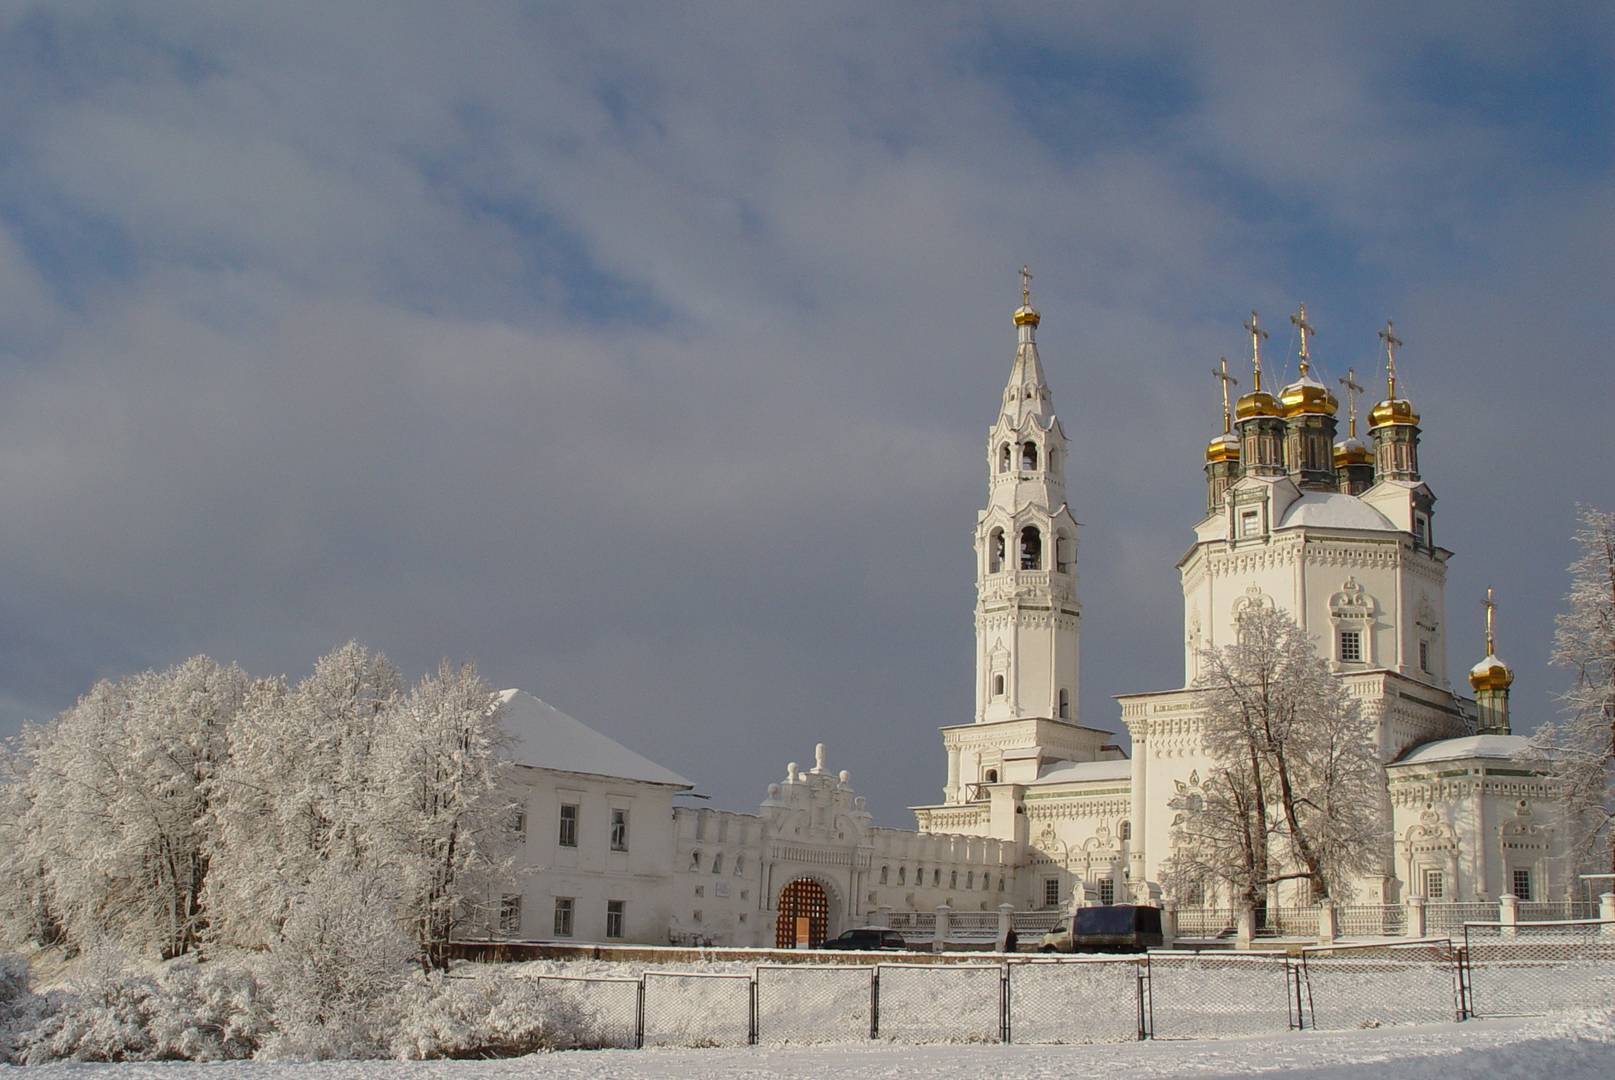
[563, 915]
[510, 915]
[619, 830]
[1421, 530]
[616, 915]
[1435, 884]
[998, 686]
[1065, 704]
[1522, 884]
[936, 876]
[995, 551]
[1062, 553]
[986, 882]
[1029, 455]
[1250, 523]
[1051, 892]
[1000, 883]
[902, 875]
[1107, 891]
[695, 860]
[1003, 458]
[970, 879]
[717, 863]
[991, 776]
[569, 825]
[740, 865]
[1031, 548]
[1125, 830]
[883, 871]
[953, 879]
[517, 823]
[1424, 656]
[1351, 646]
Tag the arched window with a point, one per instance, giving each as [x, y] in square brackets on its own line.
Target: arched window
[1062, 553]
[986, 882]
[695, 860]
[991, 776]
[953, 879]
[883, 874]
[1054, 461]
[1029, 455]
[936, 876]
[998, 686]
[902, 875]
[1065, 704]
[1004, 456]
[1031, 548]
[740, 865]
[717, 863]
[970, 879]
[995, 551]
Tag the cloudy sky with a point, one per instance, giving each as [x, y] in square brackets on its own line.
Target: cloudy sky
[645, 353]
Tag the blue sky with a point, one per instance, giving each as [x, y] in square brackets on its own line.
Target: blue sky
[645, 357]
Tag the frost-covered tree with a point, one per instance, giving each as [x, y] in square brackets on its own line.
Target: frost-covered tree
[1295, 791]
[1582, 745]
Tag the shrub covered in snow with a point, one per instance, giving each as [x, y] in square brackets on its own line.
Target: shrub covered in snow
[486, 1016]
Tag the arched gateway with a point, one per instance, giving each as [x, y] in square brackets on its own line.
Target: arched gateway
[804, 915]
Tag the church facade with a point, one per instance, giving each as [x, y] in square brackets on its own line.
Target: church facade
[1037, 809]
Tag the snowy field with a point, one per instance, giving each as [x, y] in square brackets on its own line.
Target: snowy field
[1579, 1048]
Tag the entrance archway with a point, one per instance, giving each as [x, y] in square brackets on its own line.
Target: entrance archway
[803, 907]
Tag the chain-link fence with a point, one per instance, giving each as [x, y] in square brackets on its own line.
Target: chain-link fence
[1212, 995]
[1362, 986]
[1074, 1001]
[799, 1003]
[940, 1002]
[607, 1009]
[685, 1009]
[1540, 967]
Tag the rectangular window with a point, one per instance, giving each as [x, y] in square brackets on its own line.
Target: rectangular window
[1522, 884]
[510, 915]
[569, 825]
[619, 833]
[1424, 656]
[1051, 892]
[1435, 885]
[1351, 646]
[1421, 530]
[1107, 891]
[1250, 523]
[953, 879]
[936, 877]
[517, 825]
[563, 915]
[616, 910]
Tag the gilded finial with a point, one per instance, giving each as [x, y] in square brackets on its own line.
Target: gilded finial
[1257, 334]
[1221, 373]
[1026, 314]
[1491, 609]
[1026, 286]
[1388, 335]
[1352, 390]
[1299, 319]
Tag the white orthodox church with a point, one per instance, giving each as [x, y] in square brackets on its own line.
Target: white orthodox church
[1038, 810]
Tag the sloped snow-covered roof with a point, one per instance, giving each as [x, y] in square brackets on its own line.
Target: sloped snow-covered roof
[544, 737]
[1504, 747]
[1069, 772]
[1334, 510]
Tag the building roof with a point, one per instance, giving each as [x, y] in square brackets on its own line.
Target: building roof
[544, 737]
[1503, 747]
[1334, 510]
[1070, 772]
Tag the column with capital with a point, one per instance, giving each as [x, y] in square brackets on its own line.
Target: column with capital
[1135, 813]
[951, 792]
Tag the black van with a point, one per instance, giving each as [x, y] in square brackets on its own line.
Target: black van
[1108, 928]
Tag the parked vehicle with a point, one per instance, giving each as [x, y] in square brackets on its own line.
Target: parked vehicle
[868, 939]
[1108, 928]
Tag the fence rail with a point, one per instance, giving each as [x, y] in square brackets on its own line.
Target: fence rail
[1500, 969]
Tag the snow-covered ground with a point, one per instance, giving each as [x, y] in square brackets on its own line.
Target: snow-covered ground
[1574, 1048]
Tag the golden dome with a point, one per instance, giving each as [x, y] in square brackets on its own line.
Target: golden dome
[1491, 674]
[1026, 315]
[1223, 448]
[1307, 397]
[1352, 452]
[1256, 403]
[1392, 411]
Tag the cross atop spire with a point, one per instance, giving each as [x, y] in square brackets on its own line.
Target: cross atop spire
[1388, 335]
[1352, 390]
[1257, 334]
[1222, 376]
[1299, 319]
[1490, 605]
[1026, 286]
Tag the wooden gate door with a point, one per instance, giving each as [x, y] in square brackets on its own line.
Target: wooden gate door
[802, 899]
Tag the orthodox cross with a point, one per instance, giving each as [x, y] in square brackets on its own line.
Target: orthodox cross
[1301, 324]
[1491, 607]
[1388, 335]
[1257, 334]
[1221, 373]
[1026, 286]
[1352, 390]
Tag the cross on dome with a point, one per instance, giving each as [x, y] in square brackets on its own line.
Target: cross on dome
[1299, 319]
[1254, 328]
[1353, 388]
[1388, 335]
[1222, 376]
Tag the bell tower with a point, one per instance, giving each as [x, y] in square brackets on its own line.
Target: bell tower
[1027, 616]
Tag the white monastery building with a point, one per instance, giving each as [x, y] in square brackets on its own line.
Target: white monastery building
[1038, 810]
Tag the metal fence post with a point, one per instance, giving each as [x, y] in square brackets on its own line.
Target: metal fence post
[874, 1004]
[1003, 1003]
[639, 1016]
[751, 1033]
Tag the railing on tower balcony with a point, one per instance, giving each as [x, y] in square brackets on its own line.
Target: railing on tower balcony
[976, 792]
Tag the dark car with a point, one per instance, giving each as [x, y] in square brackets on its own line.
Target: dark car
[1108, 928]
[868, 939]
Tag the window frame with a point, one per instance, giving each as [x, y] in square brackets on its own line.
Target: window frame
[565, 916]
[1351, 646]
[568, 828]
[619, 829]
[1051, 892]
[510, 915]
[616, 911]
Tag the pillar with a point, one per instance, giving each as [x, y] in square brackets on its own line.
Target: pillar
[1006, 922]
[1416, 922]
[1245, 928]
[1509, 914]
[1136, 811]
[940, 944]
[1327, 930]
[951, 794]
[1169, 923]
[1606, 914]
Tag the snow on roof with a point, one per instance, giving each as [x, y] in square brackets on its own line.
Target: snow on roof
[1333, 510]
[1070, 772]
[544, 737]
[1505, 747]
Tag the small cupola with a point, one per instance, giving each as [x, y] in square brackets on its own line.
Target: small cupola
[1491, 679]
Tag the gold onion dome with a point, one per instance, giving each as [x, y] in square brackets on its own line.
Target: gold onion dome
[1026, 315]
[1351, 451]
[1391, 412]
[1256, 403]
[1307, 397]
[1491, 674]
[1223, 448]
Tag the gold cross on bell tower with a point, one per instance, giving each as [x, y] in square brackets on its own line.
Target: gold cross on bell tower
[1490, 605]
[1257, 334]
[1301, 324]
[1388, 335]
[1221, 373]
[1026, 286]
[1352, 390]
